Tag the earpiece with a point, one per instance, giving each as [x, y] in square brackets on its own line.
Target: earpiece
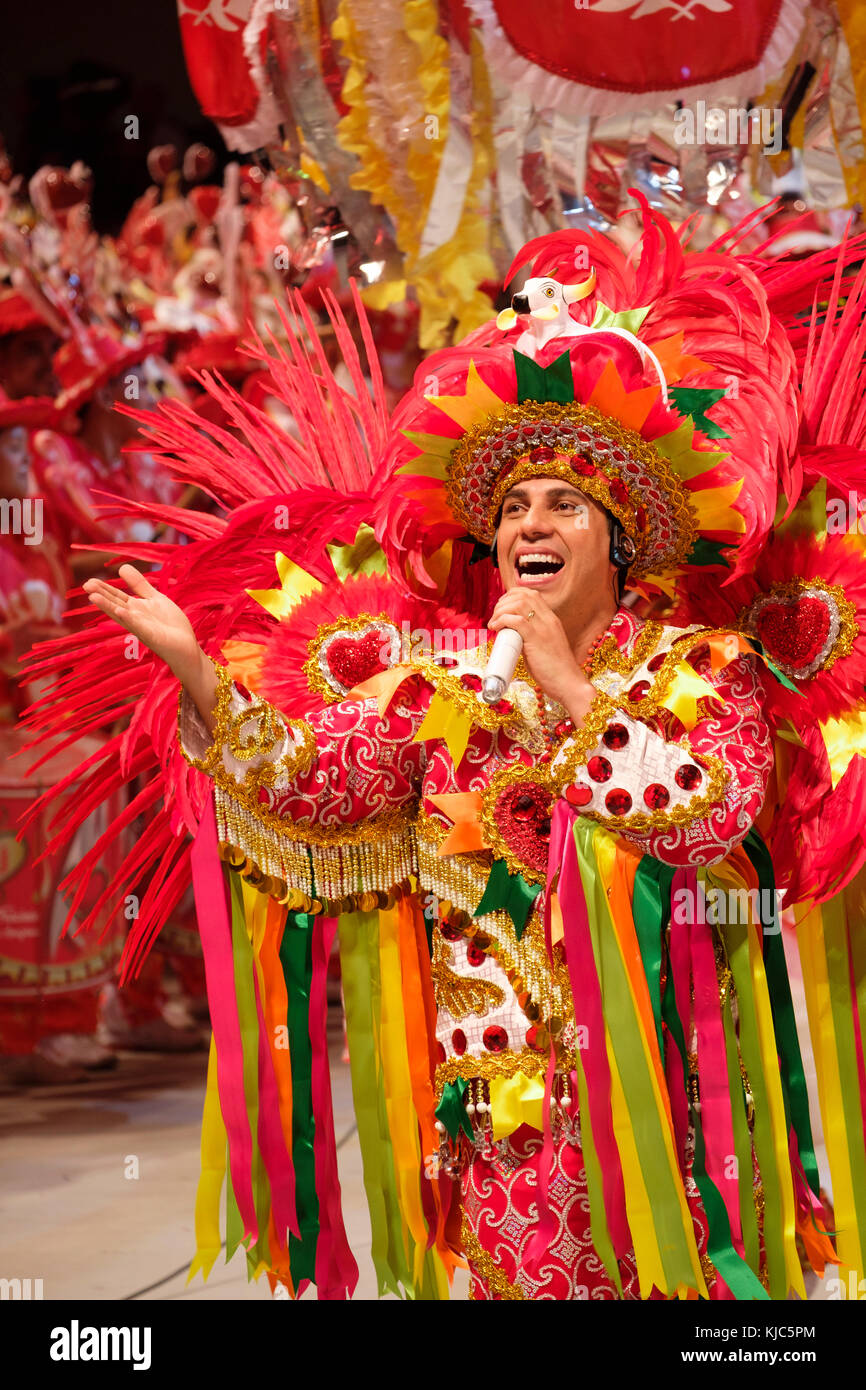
[622, 547]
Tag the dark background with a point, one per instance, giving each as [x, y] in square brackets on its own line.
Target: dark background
[71, 70]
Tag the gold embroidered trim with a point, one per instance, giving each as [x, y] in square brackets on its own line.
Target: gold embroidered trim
[468, 702]
[269, 730]
[496, 1281]
[461, 995]
[329, 865]
[329, 689]
[497, 1065]
[609, 655]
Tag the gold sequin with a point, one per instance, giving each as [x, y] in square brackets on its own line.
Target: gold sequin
[495, 1279]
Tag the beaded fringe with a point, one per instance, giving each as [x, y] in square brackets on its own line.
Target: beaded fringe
[335, 875]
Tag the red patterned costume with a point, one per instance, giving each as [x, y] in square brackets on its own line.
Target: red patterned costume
[571, 1033]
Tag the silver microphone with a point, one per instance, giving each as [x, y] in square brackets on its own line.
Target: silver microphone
[500, 669]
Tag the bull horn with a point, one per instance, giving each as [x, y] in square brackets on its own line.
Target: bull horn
[572, 293]
[505, 319]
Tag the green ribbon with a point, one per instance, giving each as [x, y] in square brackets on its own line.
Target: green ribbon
[359, 950]
[535, 383]
[793, 1075]
[695, 402]
[741, 1280]
[707, 552]
[234, 1224]
[772, 667]
[506, 892]
[296, 958]
[629, 319]
[451, 1110]
[651, 909]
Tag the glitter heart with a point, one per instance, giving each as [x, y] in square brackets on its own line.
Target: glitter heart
[522, 812]
[794, 631]
[352, 660]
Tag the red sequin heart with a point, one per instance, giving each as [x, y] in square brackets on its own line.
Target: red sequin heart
[523, 820]
[794, 631]
[352, 660]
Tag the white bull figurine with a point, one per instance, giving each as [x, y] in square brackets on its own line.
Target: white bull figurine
[544, 302]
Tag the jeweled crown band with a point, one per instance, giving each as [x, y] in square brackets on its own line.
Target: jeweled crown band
[596, 454]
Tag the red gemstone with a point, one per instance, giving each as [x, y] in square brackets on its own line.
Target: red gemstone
[532, 1039]
[584, 467]
[638, 690]
[688, 777]
[450, 933]
[524, 807]
[513, 434]
[475, 956]
[578, 795]
[564, 727]
[440, 1052]
[657, 662]
[545, 429]
[656, 796]
[618, 802]
[542, 455]
[242, 690]
[495, 1039]
[599, 769]
[544, 829]
[487, 457]
[619, 492]
[615, 736]
[640, 518]
[458, 1041]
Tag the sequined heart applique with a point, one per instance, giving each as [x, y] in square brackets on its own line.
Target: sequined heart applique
[797, 633]
[516, 813]
[352, 653]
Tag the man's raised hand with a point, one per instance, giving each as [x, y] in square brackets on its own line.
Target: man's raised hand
[154, 619]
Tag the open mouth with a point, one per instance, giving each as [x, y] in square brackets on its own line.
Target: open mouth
[540, 564]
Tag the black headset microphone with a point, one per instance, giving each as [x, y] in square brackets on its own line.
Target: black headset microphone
[508, 643]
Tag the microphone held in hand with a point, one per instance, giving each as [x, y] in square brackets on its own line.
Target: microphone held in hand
[500, 669]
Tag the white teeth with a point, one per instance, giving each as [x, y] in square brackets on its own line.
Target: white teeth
[540, 557]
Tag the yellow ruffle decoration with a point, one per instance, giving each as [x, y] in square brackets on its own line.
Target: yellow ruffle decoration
[397, 87]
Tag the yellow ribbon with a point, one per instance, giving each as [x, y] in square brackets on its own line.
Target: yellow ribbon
[682, 697]
[445, 721]
[816, 986]
[295, 584]
[213, 1169]
[844, 739]
[515, 1101]
[399, 1104]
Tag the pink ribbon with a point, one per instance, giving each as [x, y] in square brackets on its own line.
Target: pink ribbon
[588, 1013]
[212, 911]
[336, 1270]
[717, 1121]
